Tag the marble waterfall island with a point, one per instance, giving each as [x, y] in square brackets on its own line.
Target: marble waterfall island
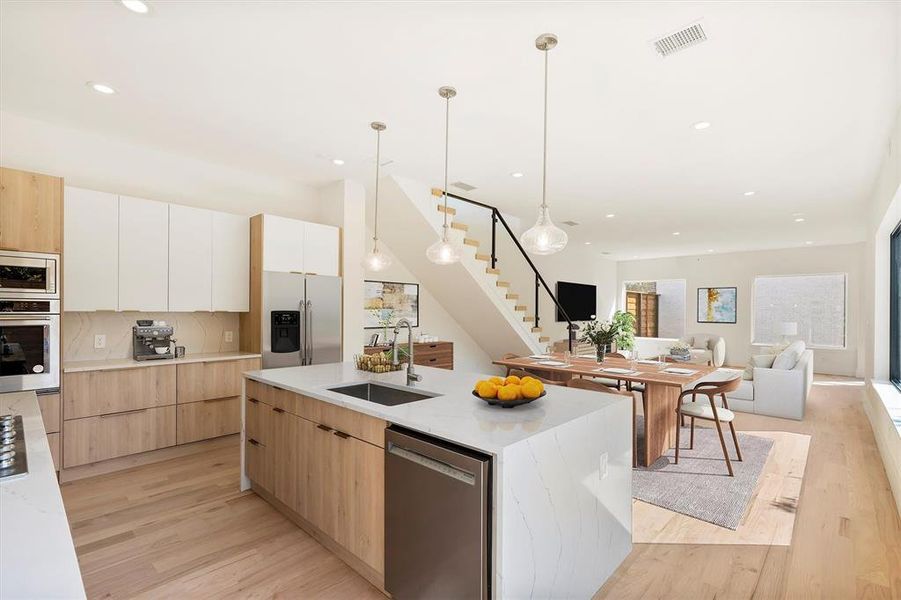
[561, 519]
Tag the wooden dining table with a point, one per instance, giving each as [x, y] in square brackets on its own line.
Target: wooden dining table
[661, 390]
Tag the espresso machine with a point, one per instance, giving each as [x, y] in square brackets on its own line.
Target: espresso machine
[152, 341]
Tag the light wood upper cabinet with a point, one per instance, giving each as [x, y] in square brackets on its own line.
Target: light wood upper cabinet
[143, 255]
[231, 262]
[91, 268]
[283, 244]
[190, 258]
[320, 249]
[31, 211]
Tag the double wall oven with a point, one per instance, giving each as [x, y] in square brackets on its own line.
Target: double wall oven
[29, 321]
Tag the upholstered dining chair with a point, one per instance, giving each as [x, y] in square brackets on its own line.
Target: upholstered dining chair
[616, 384]
[588, 384]
[700, 410]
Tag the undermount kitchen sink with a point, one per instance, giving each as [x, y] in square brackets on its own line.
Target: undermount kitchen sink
[381, 394]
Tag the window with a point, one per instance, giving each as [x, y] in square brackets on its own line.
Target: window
[895, 307]
[658, 307]
[814, 303]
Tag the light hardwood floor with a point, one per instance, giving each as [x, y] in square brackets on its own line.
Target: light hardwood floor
[181, 529]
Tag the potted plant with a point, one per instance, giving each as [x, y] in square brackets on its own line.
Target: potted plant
[625, 339]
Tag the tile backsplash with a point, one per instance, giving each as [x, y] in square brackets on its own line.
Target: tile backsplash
[197, 332]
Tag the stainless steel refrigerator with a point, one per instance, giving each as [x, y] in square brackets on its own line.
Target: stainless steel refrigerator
[301, 319]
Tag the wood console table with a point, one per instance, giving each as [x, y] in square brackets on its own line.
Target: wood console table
[429, 354]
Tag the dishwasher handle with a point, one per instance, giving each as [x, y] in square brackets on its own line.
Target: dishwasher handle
[430, 463]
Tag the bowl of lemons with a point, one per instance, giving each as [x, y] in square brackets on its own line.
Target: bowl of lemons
[508, 392]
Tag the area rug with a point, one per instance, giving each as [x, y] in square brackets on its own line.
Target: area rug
[699, 486]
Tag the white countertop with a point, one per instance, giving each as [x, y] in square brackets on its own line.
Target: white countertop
[37, 556]
[455, 415]
[78, 366]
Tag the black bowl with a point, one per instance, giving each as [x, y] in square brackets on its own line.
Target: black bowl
[507, 403]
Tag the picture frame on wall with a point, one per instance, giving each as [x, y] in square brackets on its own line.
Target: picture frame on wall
[718, 305]
[386, 302]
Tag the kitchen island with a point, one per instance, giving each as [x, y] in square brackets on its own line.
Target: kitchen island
[560, 518]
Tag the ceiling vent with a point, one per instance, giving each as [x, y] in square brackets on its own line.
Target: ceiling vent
[570, 223]
[677, 41]
[463, 186]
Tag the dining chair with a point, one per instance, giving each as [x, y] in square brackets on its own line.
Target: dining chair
[595, 386]
[700, 410]
[523, 373]
[509, 356]
[616, 384]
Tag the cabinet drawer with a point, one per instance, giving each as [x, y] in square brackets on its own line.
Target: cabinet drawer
[260, 468]
[257, 421]
[208, 419]
[49, 404]
[210, 380]
[53, 442]
[363, 427]
[104, 392]
[94, 439]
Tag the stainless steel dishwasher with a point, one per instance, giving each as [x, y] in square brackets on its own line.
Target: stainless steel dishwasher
[437, 518]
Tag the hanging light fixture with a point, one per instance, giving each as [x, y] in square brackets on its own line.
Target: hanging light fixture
[544, 237]
[376, 260]
[443, 252]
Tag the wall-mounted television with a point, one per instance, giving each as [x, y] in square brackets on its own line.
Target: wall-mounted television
[579, 300]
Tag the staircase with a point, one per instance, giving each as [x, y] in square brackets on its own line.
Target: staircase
[476, 295]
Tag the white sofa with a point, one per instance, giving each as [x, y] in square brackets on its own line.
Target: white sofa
[774, 392]
[707, 348]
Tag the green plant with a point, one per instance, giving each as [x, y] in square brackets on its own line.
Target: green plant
[625, 339]
[620, 329]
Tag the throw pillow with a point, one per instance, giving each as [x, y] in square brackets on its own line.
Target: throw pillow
[764, 361]
[789, 357]
[699, 342]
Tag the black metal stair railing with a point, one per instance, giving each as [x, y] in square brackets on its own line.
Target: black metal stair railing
[496, 217]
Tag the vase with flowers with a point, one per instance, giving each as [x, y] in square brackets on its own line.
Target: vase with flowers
[619, 330]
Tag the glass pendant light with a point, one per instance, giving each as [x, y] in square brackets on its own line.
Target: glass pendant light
[544, 237]
[376, 260]
[444, 252]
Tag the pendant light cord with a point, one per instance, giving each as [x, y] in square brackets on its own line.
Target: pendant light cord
[544, 155]
[446, 146]
[378, 161]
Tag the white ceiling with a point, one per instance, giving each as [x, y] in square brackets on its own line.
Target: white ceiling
[800, 96]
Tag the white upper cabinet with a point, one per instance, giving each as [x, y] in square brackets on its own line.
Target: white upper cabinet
[231, 262]
[91, 267]
[190, 258]
[283, 244]
[296, 246]
[320, 249]
[143, 255]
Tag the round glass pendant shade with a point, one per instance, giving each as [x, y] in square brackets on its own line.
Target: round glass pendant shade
[443, 252]
[376, 260]
[544, 237]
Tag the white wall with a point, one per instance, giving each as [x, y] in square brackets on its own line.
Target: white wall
[433, 319]
[344, 205]
[107, 164]
[739, 270]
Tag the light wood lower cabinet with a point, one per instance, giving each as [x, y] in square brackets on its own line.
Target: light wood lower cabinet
[93, 439]
[215, 379]
[93, 393]
[53, 442]
[208, 419]
[50, 411]
[330, 478]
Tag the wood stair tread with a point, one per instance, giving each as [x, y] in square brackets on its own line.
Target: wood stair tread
[512, 296]
[529, 319]
[503, 284]
[520, 307]
[491, 271]
[537, 330]
[544, 338]
[484, 257]
[459, 226]
[471, 242]
[450, 210]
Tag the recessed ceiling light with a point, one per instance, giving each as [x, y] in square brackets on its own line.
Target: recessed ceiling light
[610, 216]
[809, 243]
[101, 88]
[517, 175]
[701, 125]
[710, 250]
[676, 233]
[799, 219]
[337, 161]
[138, 6]
[587, 243]
[750, 193]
